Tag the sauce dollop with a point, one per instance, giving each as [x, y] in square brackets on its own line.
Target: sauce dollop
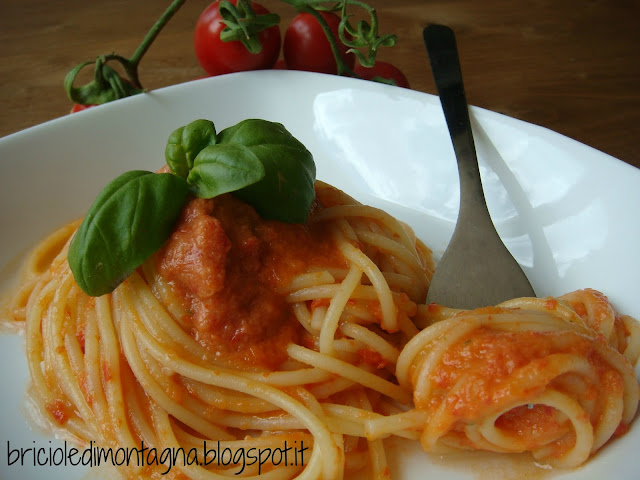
[229, 267]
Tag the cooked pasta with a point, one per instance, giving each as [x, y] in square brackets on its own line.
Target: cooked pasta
[239, 331]
[549, 376]
[313, 341]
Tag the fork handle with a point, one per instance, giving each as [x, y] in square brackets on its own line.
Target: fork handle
[443, 54]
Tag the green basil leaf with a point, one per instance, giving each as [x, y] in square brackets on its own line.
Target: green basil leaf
[185, 143]
[287, 190]
[129, 220]
[225, 168]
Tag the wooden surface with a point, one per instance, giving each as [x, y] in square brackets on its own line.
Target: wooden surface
[570, 65]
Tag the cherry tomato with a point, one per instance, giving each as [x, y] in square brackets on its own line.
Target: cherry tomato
[78, 108]
[384, 70]
[218, 57]
[306, 46]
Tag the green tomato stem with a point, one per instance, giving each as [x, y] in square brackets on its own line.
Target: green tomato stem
[243, 24]
[131, 66]
[364, 35]
[107, 85]
[343, 68]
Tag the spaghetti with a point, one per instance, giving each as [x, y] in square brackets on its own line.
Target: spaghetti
[549, 376]
[240, 331]
[253, 334]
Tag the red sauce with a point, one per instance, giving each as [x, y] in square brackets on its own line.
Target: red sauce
[59, 410]
[489, 360]
[373, 358]
[622, 429]
[538, 425]
[320, 302]
[228, 265]
[594, 309]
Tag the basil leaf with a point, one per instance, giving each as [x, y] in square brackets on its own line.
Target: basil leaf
[129, 220]
[186, 142]
[225, 168]
[287, 190]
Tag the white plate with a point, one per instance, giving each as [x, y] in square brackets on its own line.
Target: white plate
[566, 211]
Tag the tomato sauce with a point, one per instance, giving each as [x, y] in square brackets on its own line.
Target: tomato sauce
[489, 361]
[58, 410]
[228, 265]
[373, 358]
[538, 425]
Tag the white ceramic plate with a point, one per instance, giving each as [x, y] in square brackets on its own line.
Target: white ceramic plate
[566, 211]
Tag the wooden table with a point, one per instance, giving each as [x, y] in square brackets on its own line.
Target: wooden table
[569, 65]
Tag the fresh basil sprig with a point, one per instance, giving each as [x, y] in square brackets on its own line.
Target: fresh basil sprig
[224, 168]
[186, 142]
[260, 161]
[129, 220]
[287, 190]
[257, 160]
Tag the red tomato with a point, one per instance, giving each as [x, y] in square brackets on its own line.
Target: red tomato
[384, 70]
[306, 46]
[218, 57]
[77, 107]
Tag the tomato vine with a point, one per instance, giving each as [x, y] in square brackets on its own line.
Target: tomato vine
[107, 84]
[242, 24]
[363, 36]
